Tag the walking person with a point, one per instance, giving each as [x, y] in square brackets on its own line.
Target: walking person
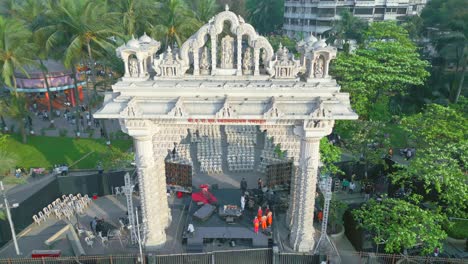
[260, 183]
[344, 184]
[259, 213]
[256, 224]
[352, 187]
[270, 218]
[367, 192]
[264, 222]
[243, 186]
[242, 202]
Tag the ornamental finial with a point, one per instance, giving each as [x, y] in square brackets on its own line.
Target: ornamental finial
[226, 7]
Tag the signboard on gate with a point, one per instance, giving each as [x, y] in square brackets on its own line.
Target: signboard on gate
[224, 121]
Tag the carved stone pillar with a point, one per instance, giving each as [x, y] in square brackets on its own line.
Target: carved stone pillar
[142, 72]
[256, 61]
[239, 55]
[196, 62]
[325, 68]
[152, 185]
[127, 74]
[302, 214]
[213, 53]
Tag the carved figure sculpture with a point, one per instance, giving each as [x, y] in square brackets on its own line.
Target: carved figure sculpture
[227, 60]
[319, 67]
[133, 67]
[205, 62]
[247, 61]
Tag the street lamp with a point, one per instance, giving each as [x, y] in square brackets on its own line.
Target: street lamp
[12, 227]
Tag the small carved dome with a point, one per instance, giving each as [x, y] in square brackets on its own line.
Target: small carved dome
[320, 44]
[311, 39]
[145, 39]
[133, 43]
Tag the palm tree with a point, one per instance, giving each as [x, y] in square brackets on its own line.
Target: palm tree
[31, 12]
[175, 23]
[204, 9]
[80, 25]
[452, 47]
[16, 50]
[135, 15]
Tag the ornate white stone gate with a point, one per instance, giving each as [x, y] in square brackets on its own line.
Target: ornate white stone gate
[226, 79]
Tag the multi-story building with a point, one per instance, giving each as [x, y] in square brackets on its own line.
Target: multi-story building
[317, 16]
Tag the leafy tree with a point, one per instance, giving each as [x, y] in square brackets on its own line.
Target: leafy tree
[265, 16]
[442, 170]
[329, 155]
[365, 140]
[285, 41]
[176, 22]
[15, 106]
[400, 225]
[437, 126]
[387, 64]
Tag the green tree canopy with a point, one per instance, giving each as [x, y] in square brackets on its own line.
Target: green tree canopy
[329, 155]
[401, 225]
[442, 170]
[387, 64]
[265, 16]
[436, 126]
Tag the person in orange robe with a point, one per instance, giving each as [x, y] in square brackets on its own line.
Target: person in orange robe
[320, 216]
[255, 225]
[270, 218]
[259, 213]
[264, 222]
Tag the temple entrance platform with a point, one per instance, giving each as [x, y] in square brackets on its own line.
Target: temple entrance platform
[219, 231]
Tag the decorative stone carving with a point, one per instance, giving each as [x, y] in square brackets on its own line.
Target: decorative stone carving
[205, 61]
[131, 110]
[136, 54]
[319, 67]
[247, 64]
[133, 67]
[168, 65]
[285, 66]
[227, 111]
[179, 109]
[273, 111]
[315, 57]
[227, 55]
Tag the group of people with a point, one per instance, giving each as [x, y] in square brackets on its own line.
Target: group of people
[349, 186]
[266, 220]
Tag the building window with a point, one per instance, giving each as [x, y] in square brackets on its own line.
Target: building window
[379, 11]
[363, 11]
[401, 11]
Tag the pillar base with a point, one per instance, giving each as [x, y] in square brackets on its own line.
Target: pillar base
[155, 243]
[305, 245]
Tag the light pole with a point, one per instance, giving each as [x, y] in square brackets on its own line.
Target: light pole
[12, 227]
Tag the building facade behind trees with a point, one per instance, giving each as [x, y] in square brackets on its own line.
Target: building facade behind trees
[317, 16]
